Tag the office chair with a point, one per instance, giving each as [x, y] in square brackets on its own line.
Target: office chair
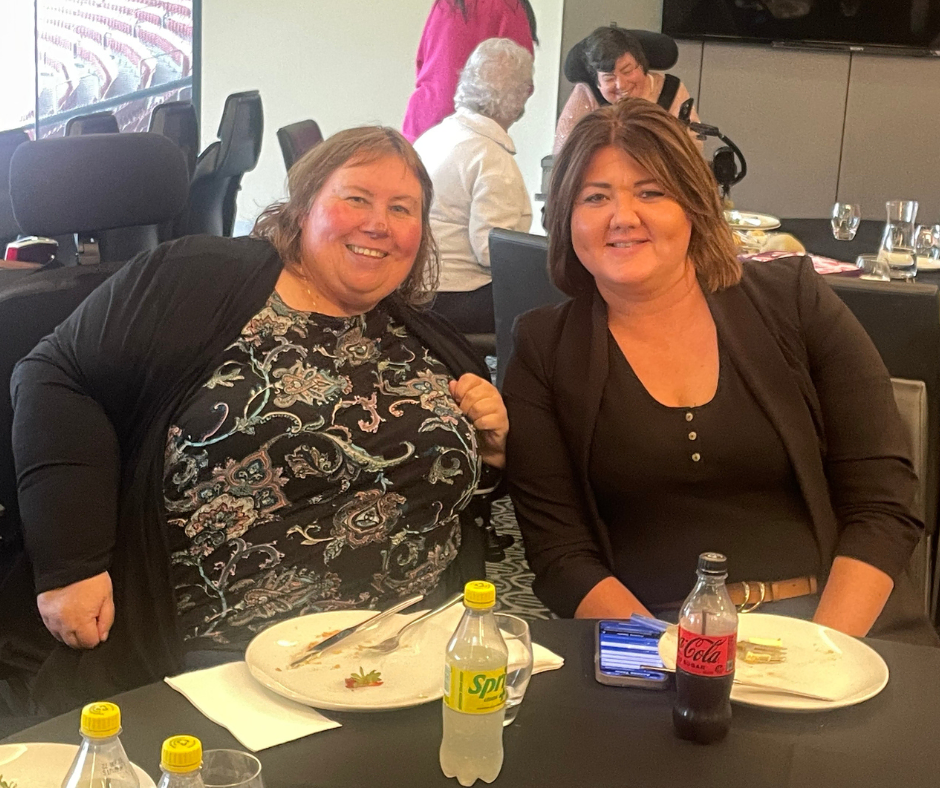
[296, 139]
[95, 123]
[67, 185]
[9, 142]
[98, 182]
[219, 169]
[176, 120]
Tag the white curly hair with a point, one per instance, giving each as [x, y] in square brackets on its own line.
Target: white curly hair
[496, 81]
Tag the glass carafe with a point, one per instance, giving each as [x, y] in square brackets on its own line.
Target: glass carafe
[897, 241]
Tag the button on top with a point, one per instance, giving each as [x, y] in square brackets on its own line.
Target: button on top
[689, 416]
[696, 457]
[692, 436]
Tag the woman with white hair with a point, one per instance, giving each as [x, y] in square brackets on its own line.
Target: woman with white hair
[477, 183]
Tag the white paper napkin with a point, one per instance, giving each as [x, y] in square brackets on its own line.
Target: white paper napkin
[544, 660]
[230, 697]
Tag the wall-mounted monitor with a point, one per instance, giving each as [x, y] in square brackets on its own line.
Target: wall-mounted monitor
[907, 26]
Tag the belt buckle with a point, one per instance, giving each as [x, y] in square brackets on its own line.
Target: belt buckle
[743, 608]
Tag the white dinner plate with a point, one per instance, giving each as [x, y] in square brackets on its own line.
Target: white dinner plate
[745, 220]
[411, 675]
[927, 263]
[44, 765]
[819, 660]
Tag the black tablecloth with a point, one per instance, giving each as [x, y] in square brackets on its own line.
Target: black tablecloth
[572, 731]
[816, 237]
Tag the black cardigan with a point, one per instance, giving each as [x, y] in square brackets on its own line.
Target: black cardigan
[808, 363]
[92, 406]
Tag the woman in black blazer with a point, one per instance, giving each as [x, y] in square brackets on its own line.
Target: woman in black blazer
[681, 402]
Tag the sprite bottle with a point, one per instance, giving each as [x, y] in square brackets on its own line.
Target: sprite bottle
[474, 691]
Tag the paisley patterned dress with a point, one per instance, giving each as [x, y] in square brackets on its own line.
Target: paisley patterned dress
[322, 466]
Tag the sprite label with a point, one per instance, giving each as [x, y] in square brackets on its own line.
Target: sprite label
[474, 691]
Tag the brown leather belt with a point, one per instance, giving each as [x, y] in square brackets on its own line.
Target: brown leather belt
[750, 594]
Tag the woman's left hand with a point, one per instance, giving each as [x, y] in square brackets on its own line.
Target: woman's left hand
[483, 405]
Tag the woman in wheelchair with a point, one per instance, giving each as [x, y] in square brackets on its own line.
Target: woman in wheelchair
[611, 64]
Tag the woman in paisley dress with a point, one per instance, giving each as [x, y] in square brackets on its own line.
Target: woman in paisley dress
[264, 427]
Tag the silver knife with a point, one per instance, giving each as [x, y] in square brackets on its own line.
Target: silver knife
[330, 642]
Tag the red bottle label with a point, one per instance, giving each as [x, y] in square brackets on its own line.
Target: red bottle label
[705, 655]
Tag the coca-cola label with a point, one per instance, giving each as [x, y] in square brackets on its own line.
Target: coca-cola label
[706, 655]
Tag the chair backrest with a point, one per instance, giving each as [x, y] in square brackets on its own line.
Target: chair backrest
[519, 266]
[9, 142]
[911, 398]
[96, 123]
[661, 52]
[177, 121]
[296, 139]
[30, 309]
[903, 321]
[97, 182]
[220, 167]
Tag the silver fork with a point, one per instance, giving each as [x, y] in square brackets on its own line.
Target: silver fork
[391, 643]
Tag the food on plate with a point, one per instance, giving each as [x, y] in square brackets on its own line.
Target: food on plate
[362, 679]
[757, 651]
[304, 657]
[5, 784]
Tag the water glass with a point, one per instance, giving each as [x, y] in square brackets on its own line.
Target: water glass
[845, 219]
[231, 769]
[515, 632]
[923, 240]
[873, 268]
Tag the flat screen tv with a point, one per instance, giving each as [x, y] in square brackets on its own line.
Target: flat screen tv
[912, 25]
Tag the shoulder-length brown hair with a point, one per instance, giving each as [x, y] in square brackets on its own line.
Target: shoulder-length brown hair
[281, 223]
[661, 145]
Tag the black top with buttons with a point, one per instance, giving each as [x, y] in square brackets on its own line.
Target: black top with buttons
[672, 483]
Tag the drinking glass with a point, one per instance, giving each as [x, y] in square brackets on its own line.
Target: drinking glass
[923, 240]
[897, 241]
[231, 769]
[515, 632]
[873, 268]
[845, 219]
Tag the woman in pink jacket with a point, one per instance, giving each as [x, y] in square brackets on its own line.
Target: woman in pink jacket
[452, 32]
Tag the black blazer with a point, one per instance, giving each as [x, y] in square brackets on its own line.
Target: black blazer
[808, 363]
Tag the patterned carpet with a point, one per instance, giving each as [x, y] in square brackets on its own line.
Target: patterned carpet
[512, 577]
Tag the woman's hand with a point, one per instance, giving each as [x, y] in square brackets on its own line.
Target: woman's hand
[81, 614]
[483, 405]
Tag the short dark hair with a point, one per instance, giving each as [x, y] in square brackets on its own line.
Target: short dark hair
[661, 145]
[606, 45]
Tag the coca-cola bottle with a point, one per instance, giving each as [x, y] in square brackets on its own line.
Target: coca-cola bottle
[708, 631]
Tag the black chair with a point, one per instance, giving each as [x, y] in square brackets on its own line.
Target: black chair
[95, 123]
[816, 237]
[63, 185]
[220, 167]
[99, 182]
[661, 52]
[9, 142]
[296, 139]
[177, 121]
[903, 321]
[519, 266]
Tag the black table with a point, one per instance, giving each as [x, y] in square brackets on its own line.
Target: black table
[816, 237]
[572, 731]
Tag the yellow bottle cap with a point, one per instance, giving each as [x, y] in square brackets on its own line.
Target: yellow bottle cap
[181, 754]
[100, 720]
[479, 595]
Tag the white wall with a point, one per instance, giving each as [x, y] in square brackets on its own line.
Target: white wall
[343, 63]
